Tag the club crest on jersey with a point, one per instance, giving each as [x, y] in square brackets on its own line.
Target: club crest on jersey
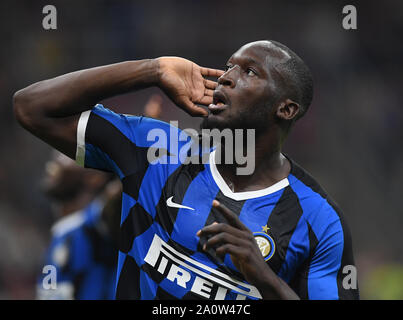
[266, 244]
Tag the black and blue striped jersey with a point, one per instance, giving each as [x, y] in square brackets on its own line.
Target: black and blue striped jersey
[84, 258]
[300, 231]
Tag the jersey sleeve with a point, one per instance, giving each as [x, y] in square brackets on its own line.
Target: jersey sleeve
[121, 143]
[330, 272]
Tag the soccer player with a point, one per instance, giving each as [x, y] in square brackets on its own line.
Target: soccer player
[200, 230]
[83, 248]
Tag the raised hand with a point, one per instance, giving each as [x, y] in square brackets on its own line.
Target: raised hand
[183, 81]
[238, 241]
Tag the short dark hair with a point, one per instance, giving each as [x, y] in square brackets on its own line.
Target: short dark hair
[298, 80]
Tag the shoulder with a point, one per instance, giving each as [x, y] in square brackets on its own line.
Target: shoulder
[120, 120]
[320, 211]
[66, 225]
[87, 217]
[120, 128]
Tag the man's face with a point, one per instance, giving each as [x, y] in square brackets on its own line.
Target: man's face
[246, 92]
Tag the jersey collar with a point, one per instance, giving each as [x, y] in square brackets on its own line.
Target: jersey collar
[219, 180]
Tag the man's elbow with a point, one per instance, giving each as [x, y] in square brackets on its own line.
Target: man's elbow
[23, 107]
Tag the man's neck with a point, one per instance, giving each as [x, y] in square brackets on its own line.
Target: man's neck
[270, 166]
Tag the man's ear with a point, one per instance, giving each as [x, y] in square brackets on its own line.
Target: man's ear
[288, 110]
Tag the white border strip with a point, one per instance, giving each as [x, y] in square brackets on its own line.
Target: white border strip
[81, 127]
[219, 180]
[68, 223]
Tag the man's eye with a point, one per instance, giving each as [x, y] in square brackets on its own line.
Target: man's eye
[250, 72]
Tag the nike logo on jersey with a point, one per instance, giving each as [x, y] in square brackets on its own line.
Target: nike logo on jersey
[172, 204]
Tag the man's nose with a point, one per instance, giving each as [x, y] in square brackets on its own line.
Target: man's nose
[227, 79]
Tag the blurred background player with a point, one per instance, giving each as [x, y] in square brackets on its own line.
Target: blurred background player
[83, 244]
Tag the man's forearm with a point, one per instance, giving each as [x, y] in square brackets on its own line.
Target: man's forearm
[78, 91]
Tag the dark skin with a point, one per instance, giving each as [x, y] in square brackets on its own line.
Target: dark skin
[235, 239]
[50, 109]
[247, 85]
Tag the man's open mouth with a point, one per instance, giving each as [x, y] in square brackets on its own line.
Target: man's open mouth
[219, 102]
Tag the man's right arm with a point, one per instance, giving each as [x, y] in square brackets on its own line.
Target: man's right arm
[50, 109]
